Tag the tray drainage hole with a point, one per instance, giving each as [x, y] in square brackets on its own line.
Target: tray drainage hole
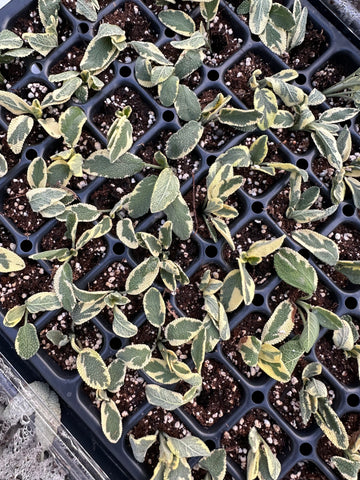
[125, 72]
[31, 154]
[257, 207]
[258, 300]
[26, 245]
[115, 343]
[168, 116]
[213, 75]
[36, 68]
[301, 79]
[304, 253]
[353, 400]
[351, 303]
[210, 160]
[305, 449]
[302, 163]
[211, 251]
[348, 210]
[118, 248]
[257, 397]
[83, 27]
[169, 33]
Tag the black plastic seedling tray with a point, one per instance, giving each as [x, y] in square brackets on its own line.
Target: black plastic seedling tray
[79, 415]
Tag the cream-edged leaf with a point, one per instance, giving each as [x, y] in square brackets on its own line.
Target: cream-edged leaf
[111, 422]
[92, 369]
[10, 261]
[295, 270]
[26, 341]
[18, 131]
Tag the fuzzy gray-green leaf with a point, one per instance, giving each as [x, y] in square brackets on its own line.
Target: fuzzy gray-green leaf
[26, 341]
[18, 131]
[178, 21]
[187, 104]
[141, 445]
[188, 447]
[111, 422]
[92, 369]
[71, 123]
[295, 270]
[135, 356]
[179, 213]
[166, 189]
[280, 324]
[41, 42]
[162, 397]
[154, 307]
[63, 287]
[88, 8]
[140, 197]
[184, 140]
[10, 261]
[182, 330]
[259, 15]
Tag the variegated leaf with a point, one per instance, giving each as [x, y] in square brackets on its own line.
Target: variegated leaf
[18, 131]
[274, 38]
[349, 469]
[195, 42]
[291, 351]
[281, 17]
[215, 464]
[14, 316]
[63, 286]
[289, 94]
[159, 371]
[249, 347]
[162, 397]
[9, 40]
[297, 35]
[92, 369]
[327, 146]
[182, 330]
[168, 91]
[37, 173]
[140, 197]
[259, 15]
[26, 341]
[143, 72]
[13, 103]
[71, 122]
[187, 104]
[322, 247]
[223, 229]
[3, 166]
[178, 21]
[198, 349]
[142, 277]
[230, 294]
[99, 164]
[188, 62]
[85, 311]
[187, 447]
[10, 261]
[121, 325]
[48, 9]
[310, 333]
[247, 284]
[239, 118]
[57, 338]
[263, 248]
[126, 233]
[119, 138]
[270, 361]
[343, 338]
[42, 302]
[135, 356]
[258, 150]
[141, 445]
[151, 52]
[160, 74]
[184, 140]
[331, 425]
[99, 230]
[280, 324]
[154, 307]
[351, 269]
[179, 214]
[88, 8]
[111, 422]
[337, 114]
[354, 186]
[41, 42]
[295, 270]
[62, 94]
[265, 102]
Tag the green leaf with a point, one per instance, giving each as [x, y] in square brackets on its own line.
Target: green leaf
[63, 286]
[351, 269]
[14, 316]
[280, 324]
[179, 214]
[259, 15]
[37, 173]
[10, 261]
[281, 17]
[142, 277]
[249, 347]
[247, 284]
[184, 140]
[187, 104]
[162, 397]
[349, 469]
[168, 91]
[62, 94]
[71, 122]
[9, 40]
[337, 114]
[111, 422]
[154, 307]
[265, 102]
[310, 333]
[291, 351]
[322, 247]
[57, 338]
[178, 21]
[166, 189]
[208, 9]
[135, 356]
[295, 270]
[195, 42]
[26, 341]
[140, 446]
[41, 42]
[239, 118]
[88, 8]
[42, 302]
[140, 197]
[274, 38]
[159, 371]
[99, 164]
[18, 131]
[182, 330]
[119, 138]
[92, 369]
[230, 294]
[188, 62]
[187, 447]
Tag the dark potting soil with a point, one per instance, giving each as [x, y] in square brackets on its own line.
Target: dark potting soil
[12, 72]
[137, 26]
[141, 118]
[306, 470]
[298, 142]
[71, 5]
[237, 76]
[314, 45]
[243, 239]
[17, 207]
[15, 289]
[235, 440]
[87, 335]
[220, 394]
[6, 239]
[252, 324]
[88, 256]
